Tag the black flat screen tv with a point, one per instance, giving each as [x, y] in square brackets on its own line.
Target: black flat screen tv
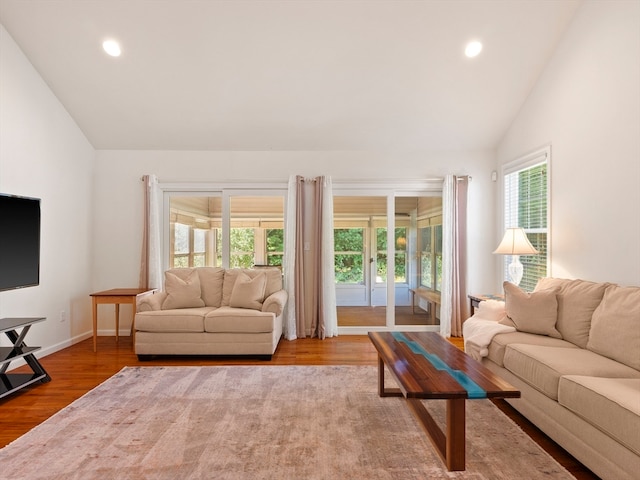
[19, 242]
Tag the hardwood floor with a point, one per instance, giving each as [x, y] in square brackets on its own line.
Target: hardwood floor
[377, 316]
[77, 369]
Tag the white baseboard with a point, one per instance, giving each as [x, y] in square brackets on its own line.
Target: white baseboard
[43, 352]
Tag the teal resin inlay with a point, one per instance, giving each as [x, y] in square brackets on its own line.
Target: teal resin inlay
[473, 389]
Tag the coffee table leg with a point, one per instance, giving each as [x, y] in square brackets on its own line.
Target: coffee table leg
[380, 377]
[382, 391]
[450, 444]
[456, 419]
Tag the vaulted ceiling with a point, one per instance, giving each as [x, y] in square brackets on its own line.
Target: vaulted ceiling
[289, 75]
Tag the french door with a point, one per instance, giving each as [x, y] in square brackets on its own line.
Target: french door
[379, 251]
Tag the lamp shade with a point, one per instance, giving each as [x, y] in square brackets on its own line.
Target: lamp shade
[515, 242]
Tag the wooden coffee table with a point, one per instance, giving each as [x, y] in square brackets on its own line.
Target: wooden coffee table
[427, 366]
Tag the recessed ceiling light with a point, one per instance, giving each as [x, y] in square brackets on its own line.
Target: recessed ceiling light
[473, 49]
[111, 47]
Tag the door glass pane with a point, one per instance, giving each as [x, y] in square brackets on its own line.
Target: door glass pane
[256, 235]
[419, 256]
[257, 230]
[357, 263]
[194, 223]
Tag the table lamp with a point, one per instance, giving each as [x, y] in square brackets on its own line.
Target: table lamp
[515, 243]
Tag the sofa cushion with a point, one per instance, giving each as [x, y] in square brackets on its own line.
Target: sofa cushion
[180, 320]
[183, 289]
[542, 366]
[615, 326]
[238, 320]
[274, 280]
[248, 292]
[500, 342]
[610, 404]
[211, 280]
[577, 299]
[535, 312]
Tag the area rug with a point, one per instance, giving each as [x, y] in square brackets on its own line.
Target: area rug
[265, 422]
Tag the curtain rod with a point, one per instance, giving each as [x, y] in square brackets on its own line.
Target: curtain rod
[338, 182]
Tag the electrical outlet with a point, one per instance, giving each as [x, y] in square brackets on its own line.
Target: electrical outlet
[63, 316]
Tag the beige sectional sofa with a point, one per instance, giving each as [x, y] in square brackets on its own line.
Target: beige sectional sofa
[574, 352]
[212, 311]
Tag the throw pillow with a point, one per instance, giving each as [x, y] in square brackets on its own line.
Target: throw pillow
[615, 326]
[248, 292]
[182, 293]
[535, 312]
[577, 299]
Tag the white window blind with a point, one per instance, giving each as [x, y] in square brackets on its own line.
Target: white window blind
[526, 205]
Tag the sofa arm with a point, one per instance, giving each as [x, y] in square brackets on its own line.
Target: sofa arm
[149, 303]
[275, 302]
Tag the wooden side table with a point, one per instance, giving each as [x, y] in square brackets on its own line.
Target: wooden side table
[117, 296]
[474, 300]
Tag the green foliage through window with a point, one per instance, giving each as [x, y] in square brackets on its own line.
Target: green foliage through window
[275, 246]
[400, 269]
[349, 255]
[242, 241]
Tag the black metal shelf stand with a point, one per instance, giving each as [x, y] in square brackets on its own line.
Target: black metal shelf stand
[11, 382]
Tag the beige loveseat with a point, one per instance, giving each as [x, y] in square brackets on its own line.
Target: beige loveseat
[212, 311]
[574, 352]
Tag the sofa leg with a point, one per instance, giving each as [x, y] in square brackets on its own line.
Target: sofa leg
[144, 358]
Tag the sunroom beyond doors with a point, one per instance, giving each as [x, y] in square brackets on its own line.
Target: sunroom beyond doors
[372, 249]
[254, 233]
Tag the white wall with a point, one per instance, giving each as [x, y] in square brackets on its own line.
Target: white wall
[44, 154]
[118, 194]
[587, 106]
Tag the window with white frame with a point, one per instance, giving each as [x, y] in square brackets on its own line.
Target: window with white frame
[430, 238]
[526, 205]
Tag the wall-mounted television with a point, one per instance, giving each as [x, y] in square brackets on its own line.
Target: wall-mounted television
[19, 242]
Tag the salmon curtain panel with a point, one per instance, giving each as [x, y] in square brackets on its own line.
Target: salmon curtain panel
[454, 310]
[151, 260]
[309, 259]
